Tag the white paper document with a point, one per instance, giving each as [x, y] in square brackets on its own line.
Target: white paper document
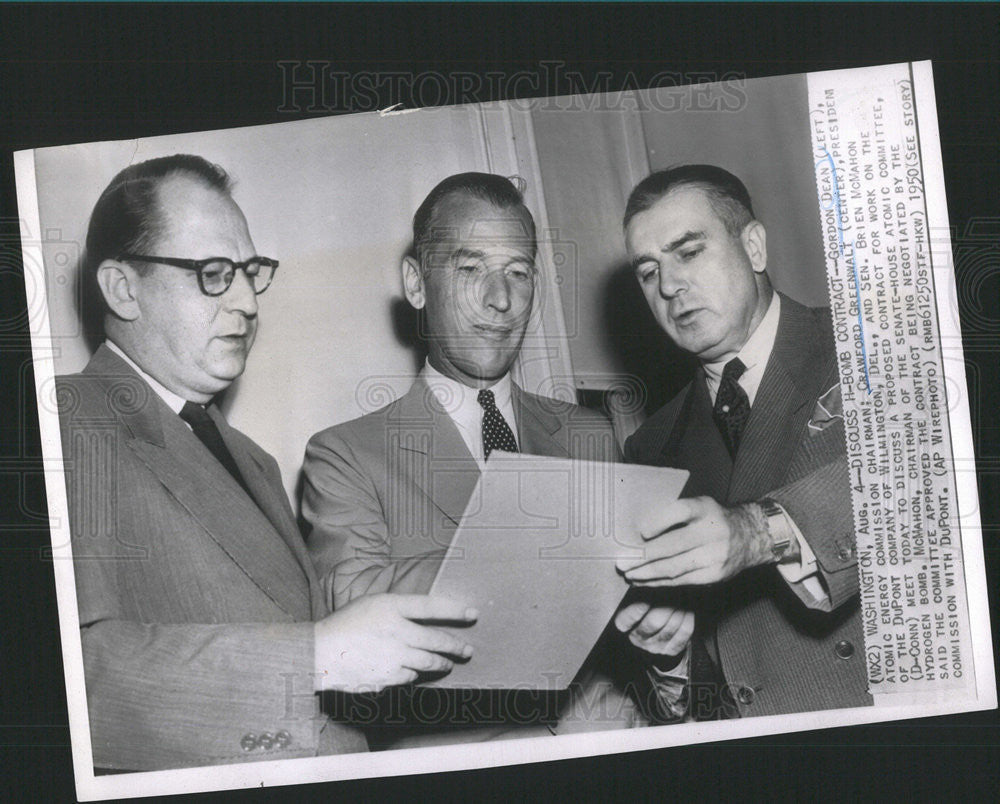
[535, 553]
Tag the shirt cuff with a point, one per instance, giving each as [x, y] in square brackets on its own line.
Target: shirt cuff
[679, 672]
[670, 687]
[800, 569]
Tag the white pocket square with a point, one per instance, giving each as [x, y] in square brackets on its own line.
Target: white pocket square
[829, 408]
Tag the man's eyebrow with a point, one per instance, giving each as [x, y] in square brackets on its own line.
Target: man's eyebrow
[684, 239]
[667, 248]
[462, 253]
[638, 260]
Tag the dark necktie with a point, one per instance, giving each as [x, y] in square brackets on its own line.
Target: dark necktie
[732, 407]
[496, 432]
[206, 431]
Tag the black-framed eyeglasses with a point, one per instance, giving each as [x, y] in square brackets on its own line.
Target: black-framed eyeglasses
[216, 274]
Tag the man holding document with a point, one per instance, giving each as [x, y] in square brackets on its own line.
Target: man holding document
[384, 494]
[205, 636]
[764, 540]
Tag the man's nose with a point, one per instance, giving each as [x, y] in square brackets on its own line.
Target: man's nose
[241, 297]
[496, 291]
[670, 283]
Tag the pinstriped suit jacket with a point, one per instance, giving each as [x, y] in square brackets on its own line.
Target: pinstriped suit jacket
[195, 604]
[781, 655]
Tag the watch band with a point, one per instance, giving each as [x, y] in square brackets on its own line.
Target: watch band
[777, 526]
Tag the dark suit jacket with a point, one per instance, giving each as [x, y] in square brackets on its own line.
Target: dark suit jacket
[777, 655]
[195, 604]
[384, 493]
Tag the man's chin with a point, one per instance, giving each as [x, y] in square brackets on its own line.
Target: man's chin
[224, 375]
[703, 346]
[483, 373]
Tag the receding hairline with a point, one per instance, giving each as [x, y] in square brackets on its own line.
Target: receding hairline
[165, 209]
[464, 195]
[453, 204]
[718, 201]
[725, 191]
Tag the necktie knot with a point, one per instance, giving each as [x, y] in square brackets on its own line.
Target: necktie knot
[195, 414]
[733, 370]
[487, 399]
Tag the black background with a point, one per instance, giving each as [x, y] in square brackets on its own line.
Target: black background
[90, 72]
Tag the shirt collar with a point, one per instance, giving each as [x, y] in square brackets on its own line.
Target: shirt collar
[174, 402]
[754, 354]
[454, 395]
[461, 403]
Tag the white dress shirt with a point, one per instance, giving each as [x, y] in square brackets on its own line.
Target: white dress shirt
[174, 402]
[461, 403]
[753, 355]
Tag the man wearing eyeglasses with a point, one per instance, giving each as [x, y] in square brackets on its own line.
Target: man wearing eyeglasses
[205, 635]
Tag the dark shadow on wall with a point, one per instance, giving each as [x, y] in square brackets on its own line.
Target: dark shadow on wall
[90, 307]
[408, 326]
[641, 348]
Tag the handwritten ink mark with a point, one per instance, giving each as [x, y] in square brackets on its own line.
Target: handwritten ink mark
[847, 250]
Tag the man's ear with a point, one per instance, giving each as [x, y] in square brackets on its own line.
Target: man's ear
[118, 282]
[754, 240]
[413, 282]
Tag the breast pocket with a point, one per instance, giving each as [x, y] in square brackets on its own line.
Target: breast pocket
[816, 448]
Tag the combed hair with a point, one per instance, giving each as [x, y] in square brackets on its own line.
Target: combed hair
[726, 193]
[127, 217]
[500, 191]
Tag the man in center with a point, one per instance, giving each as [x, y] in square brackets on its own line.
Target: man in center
[383, 494]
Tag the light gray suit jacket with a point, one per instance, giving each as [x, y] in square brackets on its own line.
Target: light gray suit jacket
[383, 495]
[777, 655]
[195, 604]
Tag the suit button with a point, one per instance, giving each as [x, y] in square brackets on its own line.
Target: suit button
[283, 739]
[844, 649]
[249, 742]
[845, 553]
[266, 741]
[745, 695]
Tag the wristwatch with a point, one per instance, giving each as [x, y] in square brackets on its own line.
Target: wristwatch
[777, 527]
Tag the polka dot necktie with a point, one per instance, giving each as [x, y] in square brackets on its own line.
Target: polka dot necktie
[732, 407]
[496, 432]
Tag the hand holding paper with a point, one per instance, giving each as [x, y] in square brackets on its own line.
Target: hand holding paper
[536, 553]
[696, 541]
[661, 630]
[383, 640]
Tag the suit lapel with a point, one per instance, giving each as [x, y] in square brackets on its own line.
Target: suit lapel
[431, 452]
[787, 391]
[192, 476]
[699, 447]
[536, 427]
[433, 455]
[270, 496]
